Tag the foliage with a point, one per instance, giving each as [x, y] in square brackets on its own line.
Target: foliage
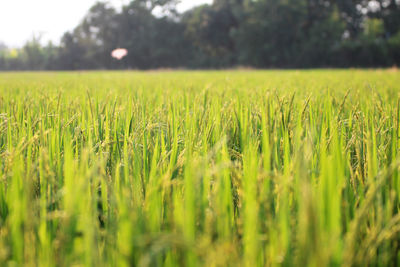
[227, 33]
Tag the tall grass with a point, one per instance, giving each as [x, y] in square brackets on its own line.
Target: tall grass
[200, 168]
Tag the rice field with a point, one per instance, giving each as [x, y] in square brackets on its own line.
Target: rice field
[230, 168]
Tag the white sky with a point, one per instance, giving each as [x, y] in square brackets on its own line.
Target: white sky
[20, 19]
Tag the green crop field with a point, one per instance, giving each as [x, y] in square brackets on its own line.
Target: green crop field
[230, 168]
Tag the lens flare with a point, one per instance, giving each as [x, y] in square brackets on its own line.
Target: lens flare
[119, 53]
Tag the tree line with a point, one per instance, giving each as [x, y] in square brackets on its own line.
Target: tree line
[227, 33]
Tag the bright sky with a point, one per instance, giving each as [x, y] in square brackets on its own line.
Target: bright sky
[20, 19]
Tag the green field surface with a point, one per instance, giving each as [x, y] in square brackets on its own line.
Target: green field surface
[203, 168]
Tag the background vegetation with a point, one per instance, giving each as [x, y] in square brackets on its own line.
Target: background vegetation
[228, 33]
[293, 168]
